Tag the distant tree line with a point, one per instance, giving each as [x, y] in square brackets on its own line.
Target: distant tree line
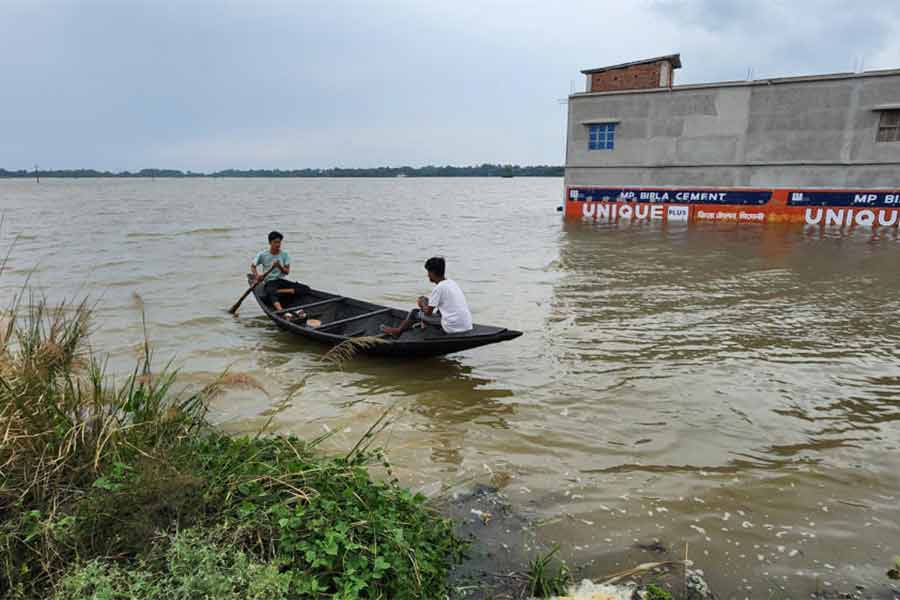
[484, 170]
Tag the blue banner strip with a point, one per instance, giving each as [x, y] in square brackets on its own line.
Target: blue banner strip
[865, 199]
[670, 196]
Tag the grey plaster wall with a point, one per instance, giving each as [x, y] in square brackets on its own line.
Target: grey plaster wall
[816, 132]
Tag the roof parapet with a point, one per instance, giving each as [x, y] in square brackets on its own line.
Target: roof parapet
[674, 59]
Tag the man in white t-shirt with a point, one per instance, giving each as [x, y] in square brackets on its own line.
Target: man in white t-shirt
[446, 305]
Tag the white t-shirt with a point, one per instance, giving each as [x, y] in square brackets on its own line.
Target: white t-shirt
[447, 298]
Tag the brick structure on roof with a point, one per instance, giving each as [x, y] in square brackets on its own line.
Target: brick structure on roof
[640, 75]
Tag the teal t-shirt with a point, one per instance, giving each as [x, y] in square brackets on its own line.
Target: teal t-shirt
[265, 259]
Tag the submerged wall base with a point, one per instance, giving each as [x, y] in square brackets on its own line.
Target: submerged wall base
[866, 208]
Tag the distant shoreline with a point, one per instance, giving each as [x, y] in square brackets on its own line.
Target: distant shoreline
[484, 170]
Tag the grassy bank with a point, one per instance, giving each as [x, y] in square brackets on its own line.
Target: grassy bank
[124, 491]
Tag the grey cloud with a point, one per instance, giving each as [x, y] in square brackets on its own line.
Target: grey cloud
[202, 84]
[779, 38]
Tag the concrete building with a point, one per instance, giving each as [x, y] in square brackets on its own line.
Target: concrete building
[633, 128]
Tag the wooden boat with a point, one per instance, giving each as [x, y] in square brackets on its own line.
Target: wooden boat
[339, 318]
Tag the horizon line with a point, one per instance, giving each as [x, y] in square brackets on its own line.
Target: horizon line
[426, 170]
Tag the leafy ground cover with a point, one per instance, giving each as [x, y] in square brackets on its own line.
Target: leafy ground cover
[125, 491]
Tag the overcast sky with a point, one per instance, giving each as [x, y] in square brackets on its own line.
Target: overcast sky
[122, 84]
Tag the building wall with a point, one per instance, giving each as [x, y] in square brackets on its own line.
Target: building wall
[645, 76]
[817, 132]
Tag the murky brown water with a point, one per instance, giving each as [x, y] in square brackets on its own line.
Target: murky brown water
[738, 389]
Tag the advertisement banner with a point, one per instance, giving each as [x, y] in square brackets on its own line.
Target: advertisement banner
[816, 207]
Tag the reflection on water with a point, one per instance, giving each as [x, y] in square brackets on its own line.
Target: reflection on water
[734, 387]
[462, 398]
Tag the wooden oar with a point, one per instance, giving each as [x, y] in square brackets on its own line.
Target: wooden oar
[237, 304]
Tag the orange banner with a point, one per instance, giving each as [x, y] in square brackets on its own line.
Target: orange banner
[833, 208]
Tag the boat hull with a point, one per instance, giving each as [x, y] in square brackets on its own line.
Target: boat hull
[344, 318]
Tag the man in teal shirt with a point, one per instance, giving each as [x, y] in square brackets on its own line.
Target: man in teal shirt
[275, 279]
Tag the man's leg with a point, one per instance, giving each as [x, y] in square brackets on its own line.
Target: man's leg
[412, 318]
[270, 293]
[432, 319]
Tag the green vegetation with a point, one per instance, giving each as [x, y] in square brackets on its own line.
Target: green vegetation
[124, 491]
[193, 567]
[895, 572]
[545, 581]
[483, 170]
[654, 592]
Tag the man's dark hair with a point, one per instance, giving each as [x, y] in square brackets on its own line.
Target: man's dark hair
[436, 265]
[274, 235]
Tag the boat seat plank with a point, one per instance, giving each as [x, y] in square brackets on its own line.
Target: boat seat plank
[310, 305]
[374, 313]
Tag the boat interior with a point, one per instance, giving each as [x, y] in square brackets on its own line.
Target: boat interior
[348, 317]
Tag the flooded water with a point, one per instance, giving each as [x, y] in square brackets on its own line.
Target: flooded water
[737, 389]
